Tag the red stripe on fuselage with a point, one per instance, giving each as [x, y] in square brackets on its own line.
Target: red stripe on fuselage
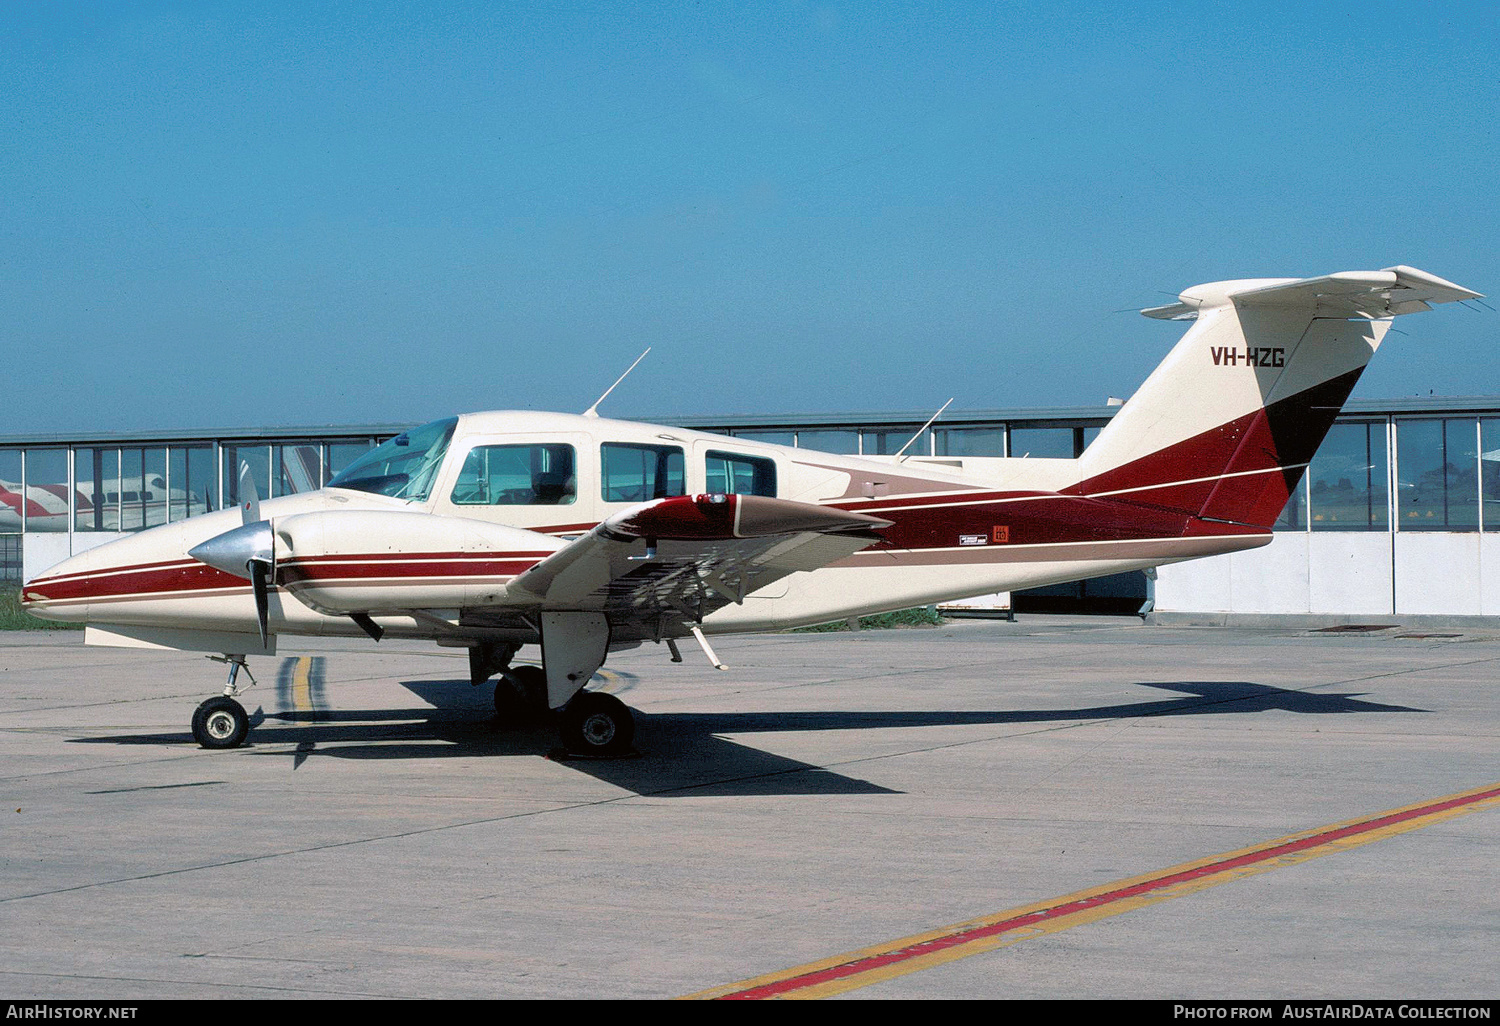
[295, 571]
[184, 577]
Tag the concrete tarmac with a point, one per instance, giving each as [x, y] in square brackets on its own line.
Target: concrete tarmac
[382, 836]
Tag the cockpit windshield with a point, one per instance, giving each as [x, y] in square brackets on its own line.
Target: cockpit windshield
[404, 467]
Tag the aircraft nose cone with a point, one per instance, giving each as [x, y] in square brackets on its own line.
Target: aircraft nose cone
[60, 592]
[232, 550]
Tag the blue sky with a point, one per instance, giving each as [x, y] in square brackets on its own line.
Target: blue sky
[239, 214]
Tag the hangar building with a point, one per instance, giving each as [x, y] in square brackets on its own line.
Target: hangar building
[1398, 515]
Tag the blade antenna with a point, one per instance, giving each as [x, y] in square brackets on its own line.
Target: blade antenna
[924, 427]
[593, 411]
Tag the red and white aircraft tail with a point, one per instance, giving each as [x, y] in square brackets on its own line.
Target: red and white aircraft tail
[1223, 429]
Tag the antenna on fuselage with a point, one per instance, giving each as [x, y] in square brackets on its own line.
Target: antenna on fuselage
[593, 411]
[924, 427]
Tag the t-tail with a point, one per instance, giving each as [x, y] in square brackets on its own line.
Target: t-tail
[1223, 429]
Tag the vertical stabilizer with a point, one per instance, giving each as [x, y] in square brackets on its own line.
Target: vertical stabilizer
[1224, 428]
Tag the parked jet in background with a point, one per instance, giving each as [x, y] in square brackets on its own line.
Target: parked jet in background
[495, 531]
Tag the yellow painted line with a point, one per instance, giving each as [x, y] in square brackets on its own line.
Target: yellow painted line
[867, 966]
[302, 687]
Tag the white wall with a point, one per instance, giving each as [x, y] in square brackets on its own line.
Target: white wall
[1345, 573]
[41, 550]
[1438, 573]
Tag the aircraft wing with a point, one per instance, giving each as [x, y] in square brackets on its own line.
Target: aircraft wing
[690, 555]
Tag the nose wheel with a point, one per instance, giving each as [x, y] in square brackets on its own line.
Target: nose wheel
[220, 722]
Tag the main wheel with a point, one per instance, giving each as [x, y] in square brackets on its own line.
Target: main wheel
[596, 724]
[521, 692]
[220, 722]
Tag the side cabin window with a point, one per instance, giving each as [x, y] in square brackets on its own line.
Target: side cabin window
[635, 473]
[517, 475]
[734, 474]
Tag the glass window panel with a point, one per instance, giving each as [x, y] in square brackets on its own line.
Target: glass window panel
[970, 441]
[191, 485]
[404, 467]
[517, 475]
[1461, 442]
[154, 486]
[201, 486]
[10, 555]
[1294, 514]
[96, 477]
[177, 493]
[1438, 488]
[635, 473]
[259, 459]
[773, 437]
[132, 516]
[834, 441]
[1347, 479]
[11, 503]
[1040, 443]
[888, 441]
[47, 506]
[299, 468]
[733, 474]
[1489, 463]
[342, 454]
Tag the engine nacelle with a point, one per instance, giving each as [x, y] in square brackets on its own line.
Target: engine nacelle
[342, 562]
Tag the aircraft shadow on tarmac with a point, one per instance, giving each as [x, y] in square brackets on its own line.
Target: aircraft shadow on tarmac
[686, 753]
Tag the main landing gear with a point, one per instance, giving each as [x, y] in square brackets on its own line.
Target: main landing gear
[591, 723]
[521, 693]
[574, 646]
[221, 722]
[595, 723]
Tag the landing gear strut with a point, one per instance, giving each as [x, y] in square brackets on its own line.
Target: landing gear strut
[221, 722]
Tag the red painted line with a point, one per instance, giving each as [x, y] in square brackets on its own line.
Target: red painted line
[928, 947]
[401, 557]
[121, 569]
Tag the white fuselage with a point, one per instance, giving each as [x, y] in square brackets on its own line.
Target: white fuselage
[963, 540]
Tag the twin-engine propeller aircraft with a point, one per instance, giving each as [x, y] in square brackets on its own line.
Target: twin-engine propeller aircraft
[494, 531]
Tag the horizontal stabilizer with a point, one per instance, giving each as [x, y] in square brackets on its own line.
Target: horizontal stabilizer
[1364, 294]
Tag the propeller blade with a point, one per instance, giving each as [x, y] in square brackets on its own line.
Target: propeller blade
[249, 497]
[248, 551]
[259, 572]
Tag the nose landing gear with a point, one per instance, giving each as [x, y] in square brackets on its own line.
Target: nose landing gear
[221, 722]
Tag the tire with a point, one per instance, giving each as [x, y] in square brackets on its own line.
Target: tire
[532, 681]
[521, 693]
[597, 724]
[220, 722]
